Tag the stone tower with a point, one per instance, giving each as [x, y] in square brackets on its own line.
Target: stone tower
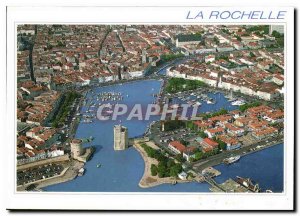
[76, 148]
[120, 137]
[144, 56]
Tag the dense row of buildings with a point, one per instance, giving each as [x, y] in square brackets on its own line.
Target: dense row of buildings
[236, 60]
[256, 73]
[258, 122]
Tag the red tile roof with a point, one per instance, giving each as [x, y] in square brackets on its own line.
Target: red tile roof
[210, 142]
[216, 130]
[178, 145]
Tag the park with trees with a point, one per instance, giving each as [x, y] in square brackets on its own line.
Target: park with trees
[166, 167]
[179, 84]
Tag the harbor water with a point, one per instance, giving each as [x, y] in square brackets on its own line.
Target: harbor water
[121, 171]
[264, 167]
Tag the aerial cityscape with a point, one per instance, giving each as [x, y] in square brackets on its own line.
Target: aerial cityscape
[150, 108]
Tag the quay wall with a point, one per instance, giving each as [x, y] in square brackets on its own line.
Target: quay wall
[42, 162]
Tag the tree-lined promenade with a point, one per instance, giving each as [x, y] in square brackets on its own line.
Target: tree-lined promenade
[64, 109]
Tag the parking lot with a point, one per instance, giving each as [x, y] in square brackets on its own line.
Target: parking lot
[164, 138]
[37, 173]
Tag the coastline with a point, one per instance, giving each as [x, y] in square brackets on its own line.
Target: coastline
[147, 179]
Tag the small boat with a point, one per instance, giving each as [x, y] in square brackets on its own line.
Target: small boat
[81, 172]
[98, 165]
[269, 191]
[232, 99]
[87, 121]
[231, 160]
[238, 103]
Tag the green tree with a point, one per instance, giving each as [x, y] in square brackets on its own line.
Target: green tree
[252, 55]
[222, 145]
[162, 170]
[191, 125]
[184, 142]
[279, 38]
[179, 84]
[170, 163]
[173, 124]
[276, 34]
[202, 134]
[198, 155]
[239, 38]
[175, 170]
[64, 108]
[216, 40]
[179, 158]
[169, 57]
[153, 170]
[246, 106]
[61, 44]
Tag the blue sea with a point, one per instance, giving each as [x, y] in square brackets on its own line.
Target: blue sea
[121, 171]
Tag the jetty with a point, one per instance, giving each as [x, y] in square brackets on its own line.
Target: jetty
[87, 140]
[229, 186]
[207, 176]
[214, 184]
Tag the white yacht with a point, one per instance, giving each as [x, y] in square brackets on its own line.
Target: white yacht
[238, 103]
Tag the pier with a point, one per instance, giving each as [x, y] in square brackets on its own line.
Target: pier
[207, 176]
[87, 140]
[228, 186]
[213, 183]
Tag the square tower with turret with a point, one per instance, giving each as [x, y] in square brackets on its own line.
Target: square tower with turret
[120, 137]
